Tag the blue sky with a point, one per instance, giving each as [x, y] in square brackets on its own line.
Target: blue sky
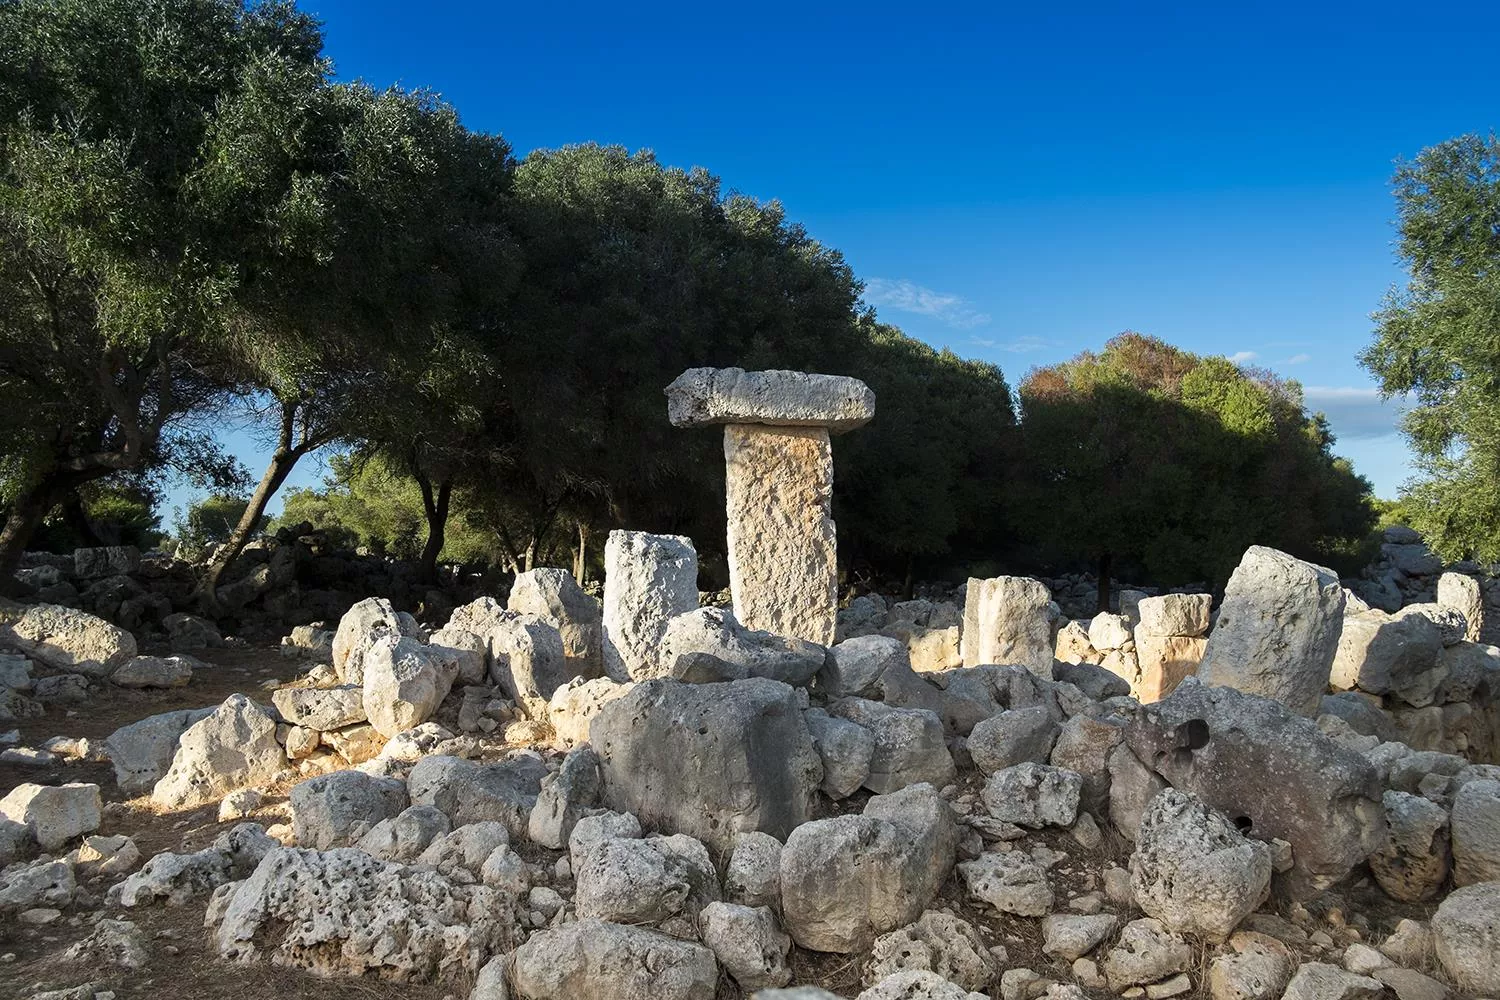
[1017, 184]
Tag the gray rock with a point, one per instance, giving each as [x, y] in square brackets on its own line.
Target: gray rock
[846, 749]
[714, 632]
[747, 943]
[1070, 936]
[1033, 795]
[1476, 833]
[1146, 953]
[42, 882]
[909, 744]
[855, 668]
[1413, 864]
[1258, 969]
[1466, 936]
[1175, 614]
[232, 747]
[846, 880]
[753, 876]
[1009, 620]
[573, 791]
[404, 682]
[1015, 737]
[1277, 630]
[1194, 871]
[554, 596]
[937, 942]
[594, 958]
[69, 639]
[647, 881]
[701, 397]
[142, 751]
[190, 633]
[54, 814]
[174, 878]
[406, 835]
[927, 823]
[155, 672]
[321, 708]
[106, 561]
[1320, 981]
[1239, 753]
[648, 580]
[1363, 717]
[468, 792]
[528, 661]
[709, 760]
[370, 619]
[335, 810]
[918, 984]
[1010, 882]
[1382, 654]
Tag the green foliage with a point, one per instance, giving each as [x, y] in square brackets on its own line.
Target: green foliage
[106, 513]
[207, 523]
[1174, 464]
[1438, 340]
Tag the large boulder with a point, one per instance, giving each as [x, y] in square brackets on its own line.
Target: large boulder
[736, 650]
[748, 944]
[1033, 795]
[555, 597]
[1381, 654]
[470, 792]
[1194, 871]
[908, 744]
[1466, 933]
[232, 747]
[106, 561]
[1463, 593]
[845, 881]
[72, 640]
[1240, 753]
[1476, 833]
[404, 683]
[345, 913]
[321, 708]
[142, 751]
[1009, 620]
[372, 618]
[1277, 631]
[595, 958]
[709, 760]
[652, 881]
[528, 661]
[336, 810]
[155, 672]
[55, 814]
[648, 580]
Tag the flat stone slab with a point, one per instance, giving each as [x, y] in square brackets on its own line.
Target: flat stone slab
[701, 397]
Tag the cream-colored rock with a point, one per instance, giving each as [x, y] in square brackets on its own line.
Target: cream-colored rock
[1461, 592]
[1175, 614]
[648, 580]
[233, 747]
[72, 640]
[783, 570]
[1162, 661]
[1009, 620]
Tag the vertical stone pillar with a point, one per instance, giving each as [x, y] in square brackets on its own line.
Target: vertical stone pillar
[1009, 620]
[783, 569]
[648, 579]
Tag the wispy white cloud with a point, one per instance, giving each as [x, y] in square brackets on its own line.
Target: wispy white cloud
[1025, 345]
[908, 296]
[1243, 357]
[1356, 412]
[1298, 359]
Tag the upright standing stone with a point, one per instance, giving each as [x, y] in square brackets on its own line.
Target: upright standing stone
[1008, 620]
[1278, 630]
[783, 572]
[1461, 591]
[648, 579]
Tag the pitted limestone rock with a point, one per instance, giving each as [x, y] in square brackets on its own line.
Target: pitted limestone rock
[701, 397]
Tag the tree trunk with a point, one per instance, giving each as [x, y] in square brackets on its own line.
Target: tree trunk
[25, 517]
[1105, 561]
[283, 460]
[581, 554]
[435, 506]
[78, 518]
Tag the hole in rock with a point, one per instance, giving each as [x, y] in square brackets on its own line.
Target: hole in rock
[1244, 823]
[1193, 734]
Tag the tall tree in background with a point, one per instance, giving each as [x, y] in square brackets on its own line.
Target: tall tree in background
[1438, 339]
[1150, 458]
[113, 281]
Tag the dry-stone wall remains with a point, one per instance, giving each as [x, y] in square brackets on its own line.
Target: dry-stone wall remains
[939, 799]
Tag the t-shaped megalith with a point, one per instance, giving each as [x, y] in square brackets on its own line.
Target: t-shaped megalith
[783, 570]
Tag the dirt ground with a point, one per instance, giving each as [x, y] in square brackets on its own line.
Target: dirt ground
[183, 965]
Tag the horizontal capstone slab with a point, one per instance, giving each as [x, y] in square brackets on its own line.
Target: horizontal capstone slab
[701, 397]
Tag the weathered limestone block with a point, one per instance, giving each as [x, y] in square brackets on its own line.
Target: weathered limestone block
[553, 595]
[712, 637]
[649, 579]
[709, 760]
[595, 958]
[1009, 620]
[1466, 933]
[1174, 614]
[782, 564]
[72, 640]
[1381, 654]
[700, 397]
[1163, 661]
[232, 747]
[1461, 592]
[1278, 630]
[55, 814]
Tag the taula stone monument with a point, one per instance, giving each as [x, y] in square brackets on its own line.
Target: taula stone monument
[779, 476]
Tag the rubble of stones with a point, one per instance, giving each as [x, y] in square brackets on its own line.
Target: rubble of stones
[1291, 794]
